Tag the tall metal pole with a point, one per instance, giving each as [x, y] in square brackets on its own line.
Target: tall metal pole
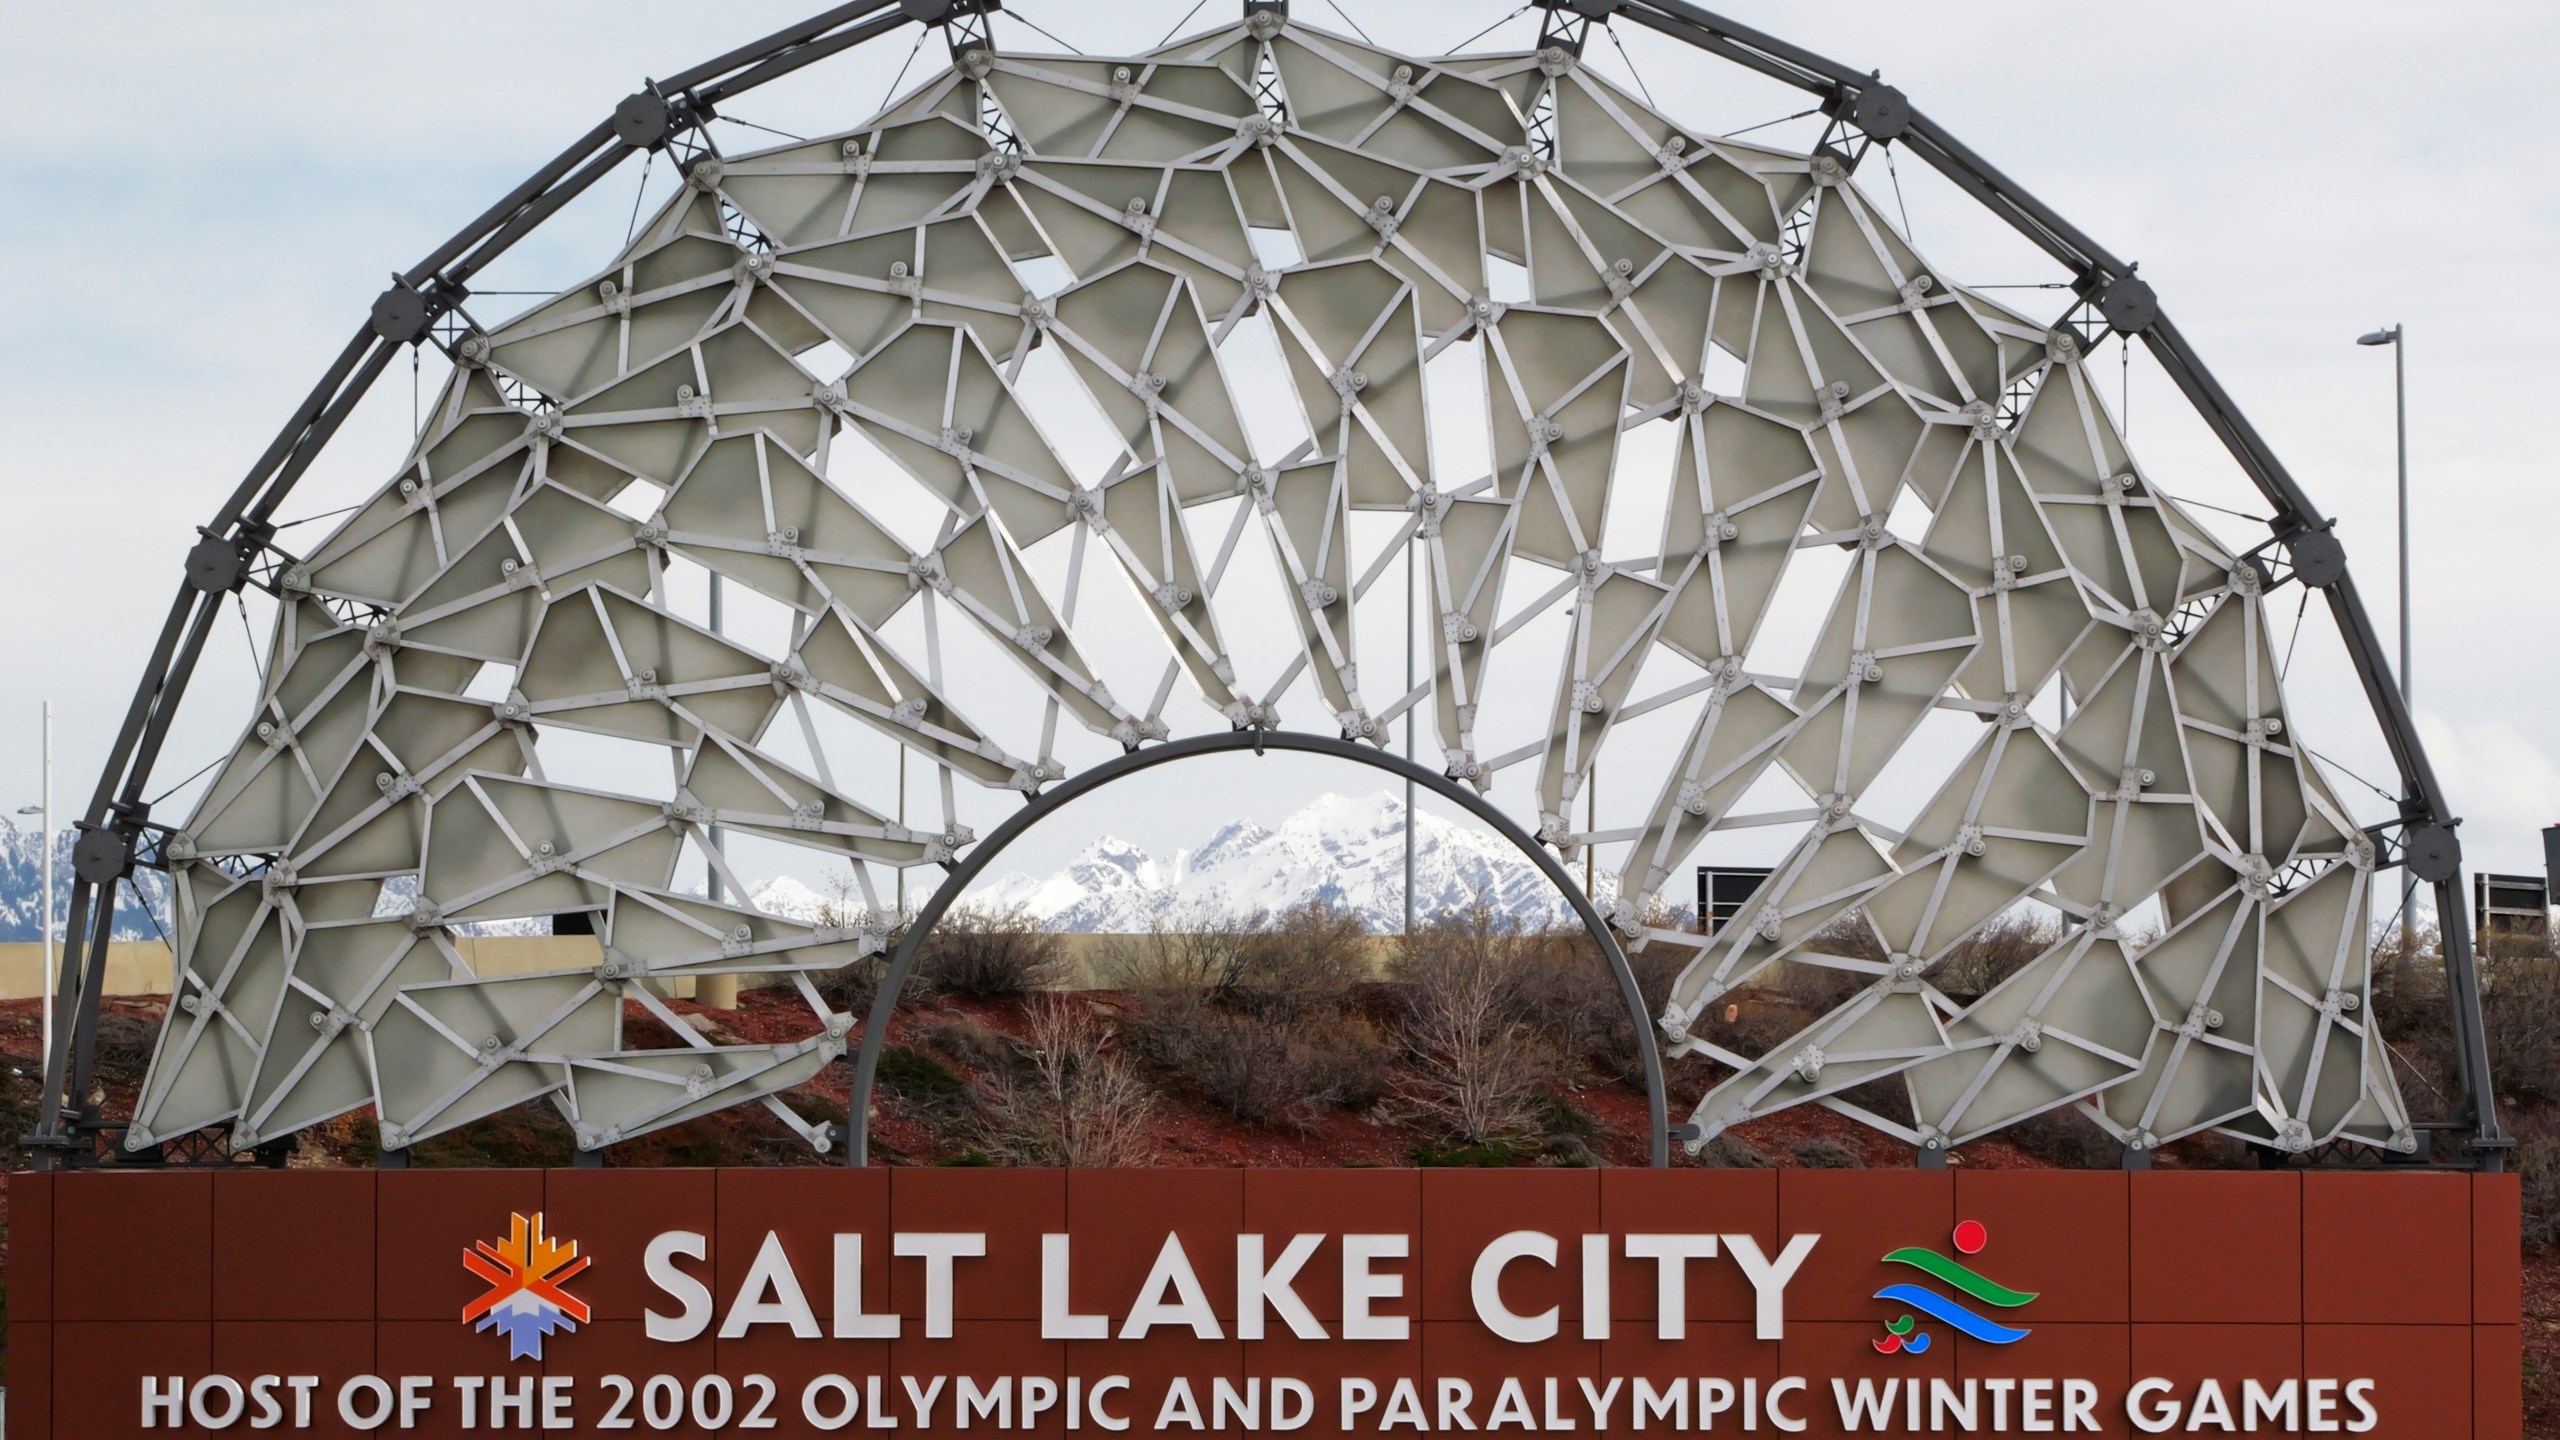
[719, 838]
[1590, 825]
[2408, 690]
[44, 905]
[2397, 338]
[1408, 737]
[44, 915]
[717, 992]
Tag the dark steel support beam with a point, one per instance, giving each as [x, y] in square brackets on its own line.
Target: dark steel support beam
[746, 57]
[497, 215]
[808, 53]
[884, 1004]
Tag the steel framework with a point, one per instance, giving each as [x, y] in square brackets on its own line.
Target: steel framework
[1642, 252]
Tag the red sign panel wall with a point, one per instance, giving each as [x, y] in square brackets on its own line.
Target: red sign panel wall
[807, 1301]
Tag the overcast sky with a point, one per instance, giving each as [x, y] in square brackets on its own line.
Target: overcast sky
[203, 199]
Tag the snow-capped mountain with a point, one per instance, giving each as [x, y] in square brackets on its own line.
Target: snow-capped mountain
[782, 895]
[785, 896]
[22, 888]
[1347, 851]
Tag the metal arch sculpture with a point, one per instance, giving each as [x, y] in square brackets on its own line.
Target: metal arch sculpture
[511, 544]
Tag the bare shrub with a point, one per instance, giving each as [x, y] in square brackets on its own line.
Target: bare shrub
[20, 1096]
[2410, 1018]
[1197, 952]
[1970, 968]
[1344, 1059]
[851, 989]
[1228, 1058]
[1732, 1152]
[1758, 1023]
[1307, 961]
[1657, 969]
[1254, 1013]
[2520, 1020]
[1658, 913]
[1567, 1133]
[2519, 1017]
[1820, 1153]
[1072, 1100]
[2520, 1024]
[1308, 958]
[2538, 1165]
[912, 1074]
[1563, 990]
[1889, 1097]
[1995, 952]
[2408, 986]
[848, 906]
[1850, 935]
[981, 953]
[2067, 1137]
[123, 1047]
[1475, 1070]
[974, 1047]
[1264, 1072]
[1559, 987]
[2502, 942]
[1818, 988]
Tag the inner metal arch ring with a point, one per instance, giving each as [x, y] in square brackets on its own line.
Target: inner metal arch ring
[875, 1030]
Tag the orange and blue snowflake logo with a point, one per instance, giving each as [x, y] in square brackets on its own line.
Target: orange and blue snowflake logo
[1904, 1335]
[526, 1273]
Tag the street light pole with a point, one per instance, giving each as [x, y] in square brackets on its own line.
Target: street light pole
[45, 985]
[718, 992]
[719, 840]
[44, 905]
[2396, 338]
[1408, 734]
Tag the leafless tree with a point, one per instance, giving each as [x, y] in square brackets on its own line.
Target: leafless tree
[1071, 1101]
[1475, 1069]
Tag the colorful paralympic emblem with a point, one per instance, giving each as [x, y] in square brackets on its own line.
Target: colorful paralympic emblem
[1905, 1336]
[525, 1300]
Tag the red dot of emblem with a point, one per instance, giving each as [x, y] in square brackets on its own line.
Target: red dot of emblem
[1971, 1237]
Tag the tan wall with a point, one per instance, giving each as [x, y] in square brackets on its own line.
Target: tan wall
[141, 967]
[1089, 957]
[134, 967]
[525, 954]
